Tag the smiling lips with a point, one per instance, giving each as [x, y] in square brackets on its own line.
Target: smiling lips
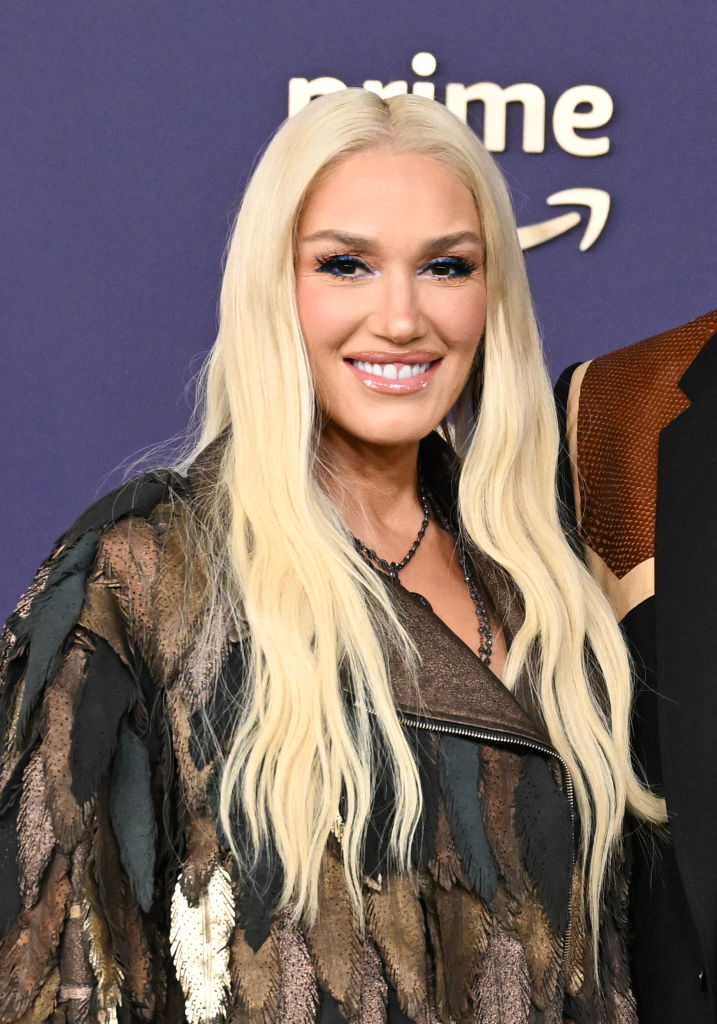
[397, 377]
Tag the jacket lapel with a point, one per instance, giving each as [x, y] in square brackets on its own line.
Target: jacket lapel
[454, 686]
[686, 625]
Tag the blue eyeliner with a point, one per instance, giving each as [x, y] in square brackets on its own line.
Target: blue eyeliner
[446, 268]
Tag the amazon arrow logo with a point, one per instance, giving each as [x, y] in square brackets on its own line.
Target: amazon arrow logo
[595, 200]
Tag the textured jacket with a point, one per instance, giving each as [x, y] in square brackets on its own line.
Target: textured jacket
[641, 427]
[119, 900]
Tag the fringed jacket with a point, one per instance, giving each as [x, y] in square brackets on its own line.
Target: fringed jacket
[118, 898]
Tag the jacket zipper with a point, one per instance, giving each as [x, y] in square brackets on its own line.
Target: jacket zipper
[493, 736]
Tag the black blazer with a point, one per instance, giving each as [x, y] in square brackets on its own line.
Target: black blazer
[640, 459]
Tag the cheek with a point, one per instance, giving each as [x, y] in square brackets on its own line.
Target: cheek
[325, 316]
[462, 321]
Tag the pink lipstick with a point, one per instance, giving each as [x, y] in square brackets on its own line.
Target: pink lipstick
[394, 376]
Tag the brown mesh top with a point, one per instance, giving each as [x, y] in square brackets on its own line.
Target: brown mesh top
[626, 399]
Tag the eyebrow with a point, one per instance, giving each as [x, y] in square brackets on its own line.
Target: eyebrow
[362, 243]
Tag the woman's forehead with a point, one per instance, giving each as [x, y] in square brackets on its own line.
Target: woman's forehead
[383, 189]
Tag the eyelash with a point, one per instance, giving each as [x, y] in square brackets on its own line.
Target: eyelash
[458, 266]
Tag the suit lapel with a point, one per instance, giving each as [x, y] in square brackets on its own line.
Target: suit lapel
[686, 624]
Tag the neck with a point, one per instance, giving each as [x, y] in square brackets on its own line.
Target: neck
[374, 486]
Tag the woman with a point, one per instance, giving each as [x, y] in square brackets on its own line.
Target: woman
[259, 758]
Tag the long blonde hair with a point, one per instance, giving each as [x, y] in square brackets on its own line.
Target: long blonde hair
[283, 568]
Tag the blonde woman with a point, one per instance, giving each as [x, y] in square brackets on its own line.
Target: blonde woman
[330, 724]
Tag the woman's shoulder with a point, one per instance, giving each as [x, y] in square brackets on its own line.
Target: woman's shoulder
[73, 554]
[110, 555]
[137, 497]
[79, 643]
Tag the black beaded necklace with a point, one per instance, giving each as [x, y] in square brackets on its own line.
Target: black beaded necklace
[485, 633]
[393, 568]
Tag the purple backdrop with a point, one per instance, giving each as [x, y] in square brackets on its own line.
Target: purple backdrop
[127, 131]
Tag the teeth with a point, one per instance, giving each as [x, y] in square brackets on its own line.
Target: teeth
[392, 371]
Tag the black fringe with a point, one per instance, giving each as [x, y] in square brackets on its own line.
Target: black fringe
[426, 753]
[52, 616]
[544, 827]
[10, 896]
[218, 720]
[109, 692]
[132, 814]
[460, 773]
[258, 899]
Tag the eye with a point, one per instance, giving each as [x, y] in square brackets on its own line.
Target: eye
[448, 267]
[342, 266]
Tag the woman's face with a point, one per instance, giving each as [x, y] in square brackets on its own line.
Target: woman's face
[391, 294]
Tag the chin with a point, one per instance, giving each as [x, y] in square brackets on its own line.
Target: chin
[402, 441]
[392, 435]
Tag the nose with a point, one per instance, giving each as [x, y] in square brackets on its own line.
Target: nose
[398, 316]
